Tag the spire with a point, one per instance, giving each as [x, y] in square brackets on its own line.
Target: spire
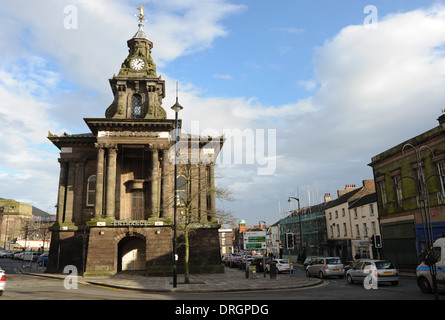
[141, 33]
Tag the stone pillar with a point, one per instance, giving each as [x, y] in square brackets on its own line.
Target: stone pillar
[111, 182]
[62, 190]
[99, 180]
[212, 208]
[203, 186]
[155, 199]
[69, 199]
[166, 187]
[79, 191]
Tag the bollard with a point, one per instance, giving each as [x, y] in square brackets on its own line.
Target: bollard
[273, 270]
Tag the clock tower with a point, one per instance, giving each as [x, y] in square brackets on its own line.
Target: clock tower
[137, 90]
[116, 194]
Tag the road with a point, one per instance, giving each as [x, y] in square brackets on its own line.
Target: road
[26, 287]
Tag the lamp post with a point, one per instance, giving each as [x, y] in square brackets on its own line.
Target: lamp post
[422, 189]
[299, 223]
[176, 108]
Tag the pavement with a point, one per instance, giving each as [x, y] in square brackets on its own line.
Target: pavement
[229, 281]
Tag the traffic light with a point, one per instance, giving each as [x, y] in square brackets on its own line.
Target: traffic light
[377, 241]
[289, 240]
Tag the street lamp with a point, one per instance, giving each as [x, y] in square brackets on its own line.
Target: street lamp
[422, 189]
[176, 108]
[299, 223]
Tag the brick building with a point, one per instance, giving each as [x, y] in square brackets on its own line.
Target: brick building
[116, 189]
[396, 173]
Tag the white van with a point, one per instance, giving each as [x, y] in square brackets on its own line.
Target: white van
[424, 280]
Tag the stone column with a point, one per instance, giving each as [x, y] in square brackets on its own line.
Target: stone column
[62, 190]
[111, 182]
[203, 186]
[166, 187]
[69, 199]
[212, 208]
[154, 203]
[99, 180]
[79, 191]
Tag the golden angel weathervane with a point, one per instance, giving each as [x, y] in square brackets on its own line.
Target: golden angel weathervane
[141, 13]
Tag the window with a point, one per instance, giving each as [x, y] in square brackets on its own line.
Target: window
[398, 188]
[181, 191]
[137, 205]
[365, 228]
[343, 213]
[136, 106]
[371, 209]
[91, 191]
[441, 169]
[345, 230]
[355, 213]
[382, 189]
[357, 230]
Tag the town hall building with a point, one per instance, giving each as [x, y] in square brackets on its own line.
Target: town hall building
[116, 197]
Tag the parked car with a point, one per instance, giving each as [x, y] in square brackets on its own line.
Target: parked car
[326, 267]
[30, 256]
[2, 281]
[6, 254]
[384, 270]
[43, 260]
[18, 255]
[282, 265]
[244, 260]
[307, 261]
[235, 260]
[258, 262]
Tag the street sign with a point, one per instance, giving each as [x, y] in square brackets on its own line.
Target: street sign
[254, 240]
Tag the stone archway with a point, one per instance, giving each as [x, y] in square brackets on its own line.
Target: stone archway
[131, 254]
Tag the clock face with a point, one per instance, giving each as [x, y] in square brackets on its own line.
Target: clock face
[137, 64]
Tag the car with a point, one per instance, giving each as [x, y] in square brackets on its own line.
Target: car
[2, 281]
[43, 260]
[307, 261]
[259, 261]
[18, 255]
[6, 254]
[31, 256]
[326, 267]
[244, 260]
[384, 270]
[281, 265]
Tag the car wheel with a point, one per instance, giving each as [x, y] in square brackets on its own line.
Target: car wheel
[321, 275]
[424, 285]
[349, 278]
[308, 274]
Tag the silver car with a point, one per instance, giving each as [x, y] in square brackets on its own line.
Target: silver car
[383, 270]
[326, 267]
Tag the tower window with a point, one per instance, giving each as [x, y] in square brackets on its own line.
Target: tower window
[136, 106]
[91, 191]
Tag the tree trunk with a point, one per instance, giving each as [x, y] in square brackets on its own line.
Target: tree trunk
[186, 257]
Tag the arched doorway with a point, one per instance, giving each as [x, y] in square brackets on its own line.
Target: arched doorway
[131, 254]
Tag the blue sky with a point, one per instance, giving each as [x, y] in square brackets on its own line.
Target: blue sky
[334, 92]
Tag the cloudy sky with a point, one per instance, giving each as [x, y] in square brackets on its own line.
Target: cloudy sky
[317, 87]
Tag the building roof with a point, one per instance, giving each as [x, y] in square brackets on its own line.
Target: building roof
[366, 199]
[342, 199]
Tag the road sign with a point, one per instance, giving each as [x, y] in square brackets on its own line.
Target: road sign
[254, 240]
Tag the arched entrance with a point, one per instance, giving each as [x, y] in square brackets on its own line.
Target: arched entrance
[131, 254]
